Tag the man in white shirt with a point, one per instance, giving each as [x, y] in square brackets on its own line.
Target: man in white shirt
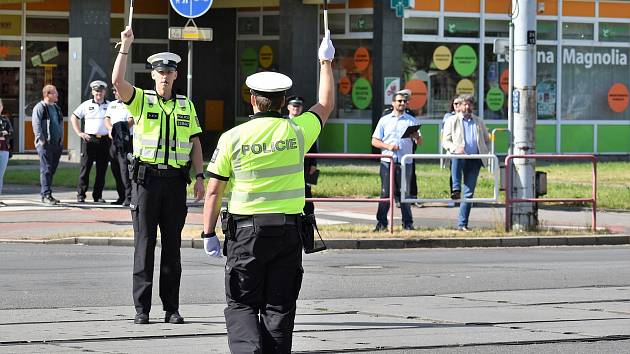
[95, 141]
[388, 137]
[118, 122]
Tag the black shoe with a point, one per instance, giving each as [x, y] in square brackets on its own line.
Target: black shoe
[126, 203]
[380, 227]
[456, 195]
[49, 200]
[408, 227]
[173, 317]
[117, 202]
[99, 200]
[80, 199]
[141, 318]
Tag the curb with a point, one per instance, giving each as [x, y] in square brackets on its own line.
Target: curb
[388, 243]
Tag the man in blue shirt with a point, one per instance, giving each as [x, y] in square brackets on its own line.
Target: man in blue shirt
[388, 137]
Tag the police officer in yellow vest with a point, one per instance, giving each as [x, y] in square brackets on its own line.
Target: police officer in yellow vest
[261, 162]
[165, 144]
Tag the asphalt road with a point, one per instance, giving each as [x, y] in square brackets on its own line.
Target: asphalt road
[52, 277]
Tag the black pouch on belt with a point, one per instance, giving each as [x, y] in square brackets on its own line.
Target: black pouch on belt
[229, 228]
[307, 233]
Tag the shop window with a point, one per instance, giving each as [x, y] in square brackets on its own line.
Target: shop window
[10, 50]
[141, 51]
[46, 63]
[353, 74]
[116, 25]
[252, 57]
[546, 30]
[249, 25]
[614, 32]
[417, 25]
[10, 25]
[497, 28]
[577, 30]
[461, 27]
[47, 25]
[271, 25]
[336, 23]
[595, 83]
[361, 23]
[437, 72]
[149, 28]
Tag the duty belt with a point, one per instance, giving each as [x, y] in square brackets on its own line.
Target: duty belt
[98, 136]
[243, 221]
[161, 170]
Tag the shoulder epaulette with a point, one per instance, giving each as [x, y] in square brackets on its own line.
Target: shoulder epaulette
[151, 96]
[181, 100]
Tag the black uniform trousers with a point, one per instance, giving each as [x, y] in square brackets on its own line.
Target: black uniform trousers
[263, 276]
[95, 150]
[160, 201]
[120, 170]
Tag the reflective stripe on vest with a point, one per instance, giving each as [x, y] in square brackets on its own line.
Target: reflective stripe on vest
[253, 196]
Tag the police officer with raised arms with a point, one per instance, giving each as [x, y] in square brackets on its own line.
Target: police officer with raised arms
[165, 144]
[262, 163]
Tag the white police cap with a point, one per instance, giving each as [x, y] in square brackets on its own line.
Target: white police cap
[269, 81]
[164, 61]
[98, 85]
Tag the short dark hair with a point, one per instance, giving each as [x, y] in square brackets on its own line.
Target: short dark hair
[272, 103]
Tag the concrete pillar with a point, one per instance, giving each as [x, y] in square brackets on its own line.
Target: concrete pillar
[386, 53]
[89, 57]
[299, 40]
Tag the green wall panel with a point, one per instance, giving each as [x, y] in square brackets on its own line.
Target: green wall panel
[331, 138]
[613, 138]
[576, 139]
[430, 136]
[545, 139]
[360, 138]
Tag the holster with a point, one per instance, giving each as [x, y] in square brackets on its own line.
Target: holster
[307, 230]
[229, 228]
[137, 171]
[186, 173]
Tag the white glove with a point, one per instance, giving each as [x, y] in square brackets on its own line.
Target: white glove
[212, 246]
[326, 49]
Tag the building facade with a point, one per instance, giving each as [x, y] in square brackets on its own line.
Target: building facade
[436, 48]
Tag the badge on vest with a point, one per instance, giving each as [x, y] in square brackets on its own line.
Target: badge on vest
[183, 116]
[90, 108]
[183, 123]
[152, 115]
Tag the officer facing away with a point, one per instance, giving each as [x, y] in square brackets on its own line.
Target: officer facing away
[165, 143]
[262, 162]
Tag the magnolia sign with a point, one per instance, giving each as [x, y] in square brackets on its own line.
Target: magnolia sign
[612, 56]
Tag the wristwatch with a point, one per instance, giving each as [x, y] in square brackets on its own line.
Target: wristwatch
[200, 174]
[210, 235]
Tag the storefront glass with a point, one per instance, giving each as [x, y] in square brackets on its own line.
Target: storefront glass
[353, 74]
[253, 56]
[46, 63]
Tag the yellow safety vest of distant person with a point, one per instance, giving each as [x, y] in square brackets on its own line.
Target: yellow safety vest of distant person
[154, 132]
[263, 161]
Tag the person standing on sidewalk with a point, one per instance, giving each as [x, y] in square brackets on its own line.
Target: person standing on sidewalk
[118, 122]
[48, 130]
[388, 137]
[166, 142]
[262, 162]
[6, 131]
[465, 134]
[95, 141]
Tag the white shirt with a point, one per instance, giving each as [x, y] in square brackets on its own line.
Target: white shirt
[117, 112]
[94, 116]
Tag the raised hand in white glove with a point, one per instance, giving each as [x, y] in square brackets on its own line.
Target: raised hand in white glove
[326, 49]
[212, 246]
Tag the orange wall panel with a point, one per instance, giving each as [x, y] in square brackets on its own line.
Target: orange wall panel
[151, 7]
[213, 119]
[29, 137]
[427, 5]
[49, 5]
[578, 8]
[353, 4]
[118, 6]
[462, 6]
[614, 9]
[498, 6]
[10, 7]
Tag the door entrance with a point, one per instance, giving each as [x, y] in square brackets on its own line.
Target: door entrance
[10, 95]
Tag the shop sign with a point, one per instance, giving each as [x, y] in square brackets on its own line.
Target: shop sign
[465, 87]
[442, 57]
[345, 85]
[465, 60]
[418, 94]
[249, 61]
[265, 56]
[495, 99]
[36, 60]
[391, 87]
[571, 56]
[49, 54]
[361, 93]
[618, 97]
[361, 58]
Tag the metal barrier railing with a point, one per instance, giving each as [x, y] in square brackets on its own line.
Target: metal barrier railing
[493, 136]
[362, 156]
[508, 186]
[463, 198]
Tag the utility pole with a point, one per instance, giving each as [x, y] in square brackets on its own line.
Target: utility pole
[524, 215]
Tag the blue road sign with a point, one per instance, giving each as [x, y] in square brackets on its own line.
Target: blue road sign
[191, 8]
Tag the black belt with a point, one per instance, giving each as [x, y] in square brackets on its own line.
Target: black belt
[161, 171]
[249, 221]
[98, 136]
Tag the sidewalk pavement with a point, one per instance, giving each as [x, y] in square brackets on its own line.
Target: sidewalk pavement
[586, 314]
[26, 219]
